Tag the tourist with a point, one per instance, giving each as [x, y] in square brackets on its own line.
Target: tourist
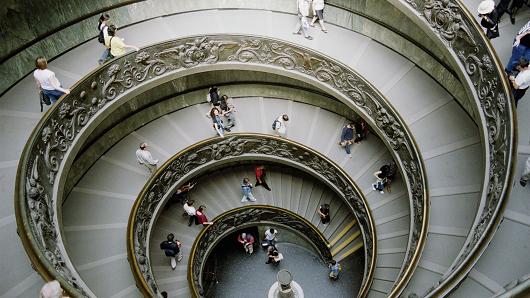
[384, 177]
[213, 96]
[46, 81]
[171, 248]
[246, 189]
[229, 111]
[201, 218]
[103, 28]
[334, 270]
[247, 240]
[489, 18]
[181, 195]
[346, 137]
[303, 24]
[115, 44]
[520, 48]
[318, 14]
[52, 289]
[217, 122]
[164, 294]
[270, 238]
[361, 130]
[273, 256]
[260, 177]
[323, 212]
[145, 158]
[280, 125]
[191, 212]
[521, 81]
[526, 173]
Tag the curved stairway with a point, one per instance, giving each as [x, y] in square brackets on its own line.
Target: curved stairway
[451, 151]
[220, 191]
[100, 248]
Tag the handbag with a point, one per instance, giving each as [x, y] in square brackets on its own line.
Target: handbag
[493, 33]
[44, 100]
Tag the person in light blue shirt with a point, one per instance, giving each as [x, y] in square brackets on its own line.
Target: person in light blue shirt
[246, 189]
[334, 270]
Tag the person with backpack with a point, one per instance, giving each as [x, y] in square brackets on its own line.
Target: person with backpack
[49, 87]
[115, 44]
[384, 177]
[103, 28]
[171, 248]
[246, 189]
[280, 125]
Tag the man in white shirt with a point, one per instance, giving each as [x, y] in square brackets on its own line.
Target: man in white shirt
[280, 125]
[270, 237]
[145, 158]
[521, 82]
[191, 212]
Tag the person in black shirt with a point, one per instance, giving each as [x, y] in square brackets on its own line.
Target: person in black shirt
[171, 248]
[489, 18]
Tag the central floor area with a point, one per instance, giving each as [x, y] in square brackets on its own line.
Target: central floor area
[242, 276]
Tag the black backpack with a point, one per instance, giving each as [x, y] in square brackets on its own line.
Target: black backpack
[101, 36]
[44, 100]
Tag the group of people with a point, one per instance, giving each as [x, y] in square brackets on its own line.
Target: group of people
[247, 241]
[221, 106]
[247, 187]
[304, 8]
[353, 133]
[517, 68]
[384, 177]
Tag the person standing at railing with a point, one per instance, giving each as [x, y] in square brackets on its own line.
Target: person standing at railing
[201, 217]
[520, 48]
[521, 82]
[115, 43]
[526, 173]
[47, 82]
[145, 158]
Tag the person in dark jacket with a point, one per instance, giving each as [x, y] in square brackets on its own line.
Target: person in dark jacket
[347, 136]
[489, 18]
[171, 248]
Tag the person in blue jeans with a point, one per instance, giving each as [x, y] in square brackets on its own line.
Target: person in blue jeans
[218, 125]
[46, 81]
[347, 136]
[246, 189]
[520, 48]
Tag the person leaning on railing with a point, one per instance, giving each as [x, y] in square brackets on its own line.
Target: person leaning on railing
[520, 81]
[115, 43]
[47, 82]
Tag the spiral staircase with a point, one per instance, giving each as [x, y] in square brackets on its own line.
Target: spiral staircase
[417, 78]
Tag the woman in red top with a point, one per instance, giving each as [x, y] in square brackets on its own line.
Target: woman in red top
[201, 217]
[260, 177]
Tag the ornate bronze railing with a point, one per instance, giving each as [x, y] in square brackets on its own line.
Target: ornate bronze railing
[239, 218]
[456, 27]
[56, 140]
[209, 153]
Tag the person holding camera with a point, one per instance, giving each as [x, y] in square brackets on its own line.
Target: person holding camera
[520, 80]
